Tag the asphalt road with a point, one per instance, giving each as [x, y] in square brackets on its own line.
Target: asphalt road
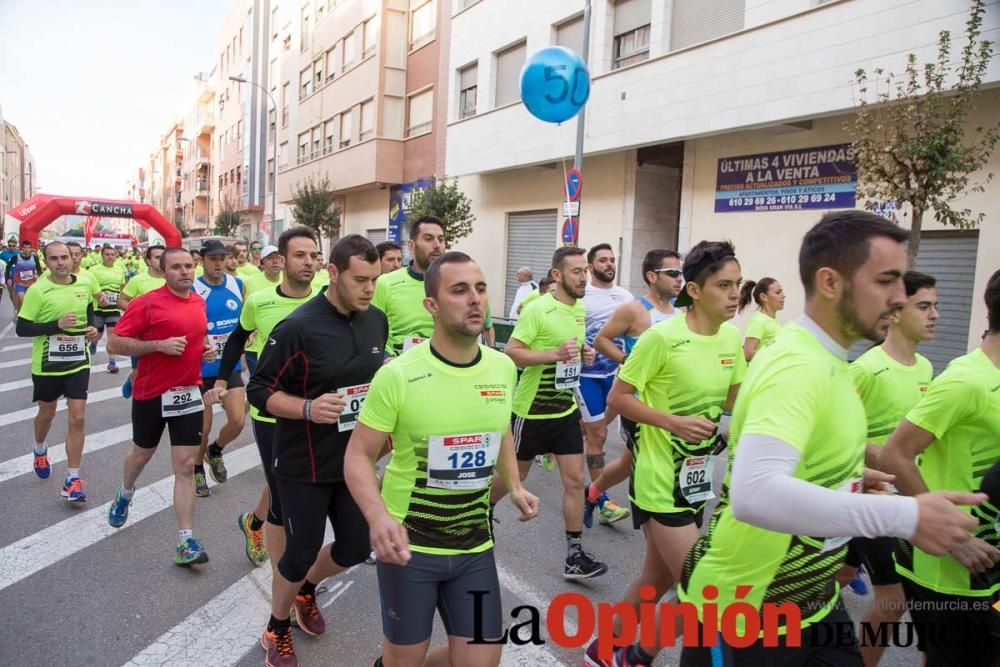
[74, 591]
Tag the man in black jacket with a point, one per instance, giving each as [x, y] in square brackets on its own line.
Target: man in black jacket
[312, 376]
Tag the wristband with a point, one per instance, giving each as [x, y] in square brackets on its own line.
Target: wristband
[307, 410]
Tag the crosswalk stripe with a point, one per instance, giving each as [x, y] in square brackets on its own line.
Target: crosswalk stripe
[6, 329]
[22, 384]
[25, 362]
[21, 465]
[48, 546]
[29, 413]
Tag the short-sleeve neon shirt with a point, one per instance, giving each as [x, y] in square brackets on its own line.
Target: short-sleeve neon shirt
[400, 295]
[888, 389]
[46, 301]
[142, 283]
[110, 279]
[962, 410]
[678, 372]
[763, 328]
[84, 276]
[801, 393]
[259, 282]
[261, 313]
[419, 398]
[546, 325]
[246, 271]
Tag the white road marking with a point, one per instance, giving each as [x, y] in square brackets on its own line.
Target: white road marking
[6, 329]
[29, 413]
[34, 553]
[341, 591]
[27, 362]
[21, 465]
[100, 368]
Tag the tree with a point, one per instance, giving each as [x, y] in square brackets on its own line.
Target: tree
[228, 222]
[315, 206]
[910, 139]
[446, 201]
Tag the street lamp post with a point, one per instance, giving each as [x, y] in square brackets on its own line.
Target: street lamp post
[274, 154]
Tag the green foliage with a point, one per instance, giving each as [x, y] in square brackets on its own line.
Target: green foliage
[446, 201]
[228, 222]
[909, 132]
[315, 206]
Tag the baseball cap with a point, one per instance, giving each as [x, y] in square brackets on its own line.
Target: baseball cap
[213, 248]
[697, 261]
[268, 250]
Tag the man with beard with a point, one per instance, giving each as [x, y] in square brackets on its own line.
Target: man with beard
[548, 343]
[167, 329]
[661, 269]
[799, 429]
[600, 300]
[400, 294]
[313, 375]
[261, 313]
[949, 440]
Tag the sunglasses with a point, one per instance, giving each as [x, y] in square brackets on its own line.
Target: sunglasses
[256, 247]
[673, 273]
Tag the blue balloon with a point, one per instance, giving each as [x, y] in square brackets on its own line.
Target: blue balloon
[555, 84]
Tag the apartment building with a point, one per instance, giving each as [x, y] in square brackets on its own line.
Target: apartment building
[688, 97]
[18, 175]
[362, 98]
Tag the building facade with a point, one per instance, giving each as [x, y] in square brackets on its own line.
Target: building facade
[682, 92]
[18, 174]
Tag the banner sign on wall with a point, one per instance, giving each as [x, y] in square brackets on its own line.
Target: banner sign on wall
[795, 180]
[399, 205]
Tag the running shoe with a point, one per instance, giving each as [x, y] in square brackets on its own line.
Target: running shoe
[307, 615]
[73, 492]
[42, 467]
[118, 509]
[190, 552]
[546, 461]
[621, 659]
[278, 649]
[127, 388]
[588, 507]
[201, 485]
[591, 659]
[217, 469]
[371, 559]
[858, 584]
[112, 367]
[582, 565]
[609, 512]
[254, 539]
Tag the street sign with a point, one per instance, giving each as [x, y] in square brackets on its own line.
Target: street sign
[574, 184]
[571, 209]
[569, 231]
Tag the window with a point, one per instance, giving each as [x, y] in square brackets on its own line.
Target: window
[318, 74]
[305, 83]
[345, 128]
[691, 24]
[367, 120]
[422, 24]
[272, 125]
[303, 147]
[350, 45]
[284, 104]
[283, 154]
[274, 23]
[632, 18]
[270, 175]
[570, 34]
[317, 141]
[239, 129]
[332, 58]
[273, 75]
[467, 86]
[508, 69]
[304, 41]
[419, 112]
[370, 36]
[328, 130]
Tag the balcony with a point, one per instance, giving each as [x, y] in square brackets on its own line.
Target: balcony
[200, 223]
[201, 187]
[206, 123]
[358, 166]
[178, 199]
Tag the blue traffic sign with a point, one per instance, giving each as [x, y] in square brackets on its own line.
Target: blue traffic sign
[569, 231]
[574, 184]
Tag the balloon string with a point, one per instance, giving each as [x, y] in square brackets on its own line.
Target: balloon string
[562, 152]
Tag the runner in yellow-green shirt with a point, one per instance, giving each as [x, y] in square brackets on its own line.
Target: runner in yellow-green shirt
[57, 312]
[269, 274]
[891, 378]
[400, 294]
[548, 342]
[446, 403]
[797, 462]
[948, 441]
[110, 277]
[763, 327]
[679, 380]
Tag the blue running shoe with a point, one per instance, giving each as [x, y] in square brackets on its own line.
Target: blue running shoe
[118, 510]
[127, 388]
[190, 552]
[588, 508]
[42, 467]
[858, 584]
[73, 491]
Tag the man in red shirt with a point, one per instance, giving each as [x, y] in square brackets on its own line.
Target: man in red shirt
[167, 329]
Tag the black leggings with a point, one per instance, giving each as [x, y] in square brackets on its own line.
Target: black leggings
[263, 433]
[305, 508]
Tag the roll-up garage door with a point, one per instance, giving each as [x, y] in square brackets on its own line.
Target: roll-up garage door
[376, 236]
[951, 258]
[531, 240]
